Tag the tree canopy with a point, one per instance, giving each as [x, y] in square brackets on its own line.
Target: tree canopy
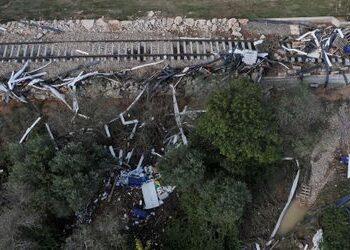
[239, 125]
[60, 182]
[212, 203]
[336, 227]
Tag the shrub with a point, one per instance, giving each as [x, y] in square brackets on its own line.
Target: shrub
[182, 167]
[212, 203]
[57, 182]
[184, 233]
[336, 228]
[240, 126]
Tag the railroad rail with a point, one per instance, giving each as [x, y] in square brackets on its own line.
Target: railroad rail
[127, 50]
[133, 50]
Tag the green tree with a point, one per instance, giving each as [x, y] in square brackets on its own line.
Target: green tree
[182, 167]
[191, 234]
[220, 201]
[240, 126]
[212, 203]
[336, 228]
[57, 182]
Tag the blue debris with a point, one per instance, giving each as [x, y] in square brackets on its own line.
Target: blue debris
[342, 201]
[346, 49]
[344, 159]
[139, 213]
[137, 180]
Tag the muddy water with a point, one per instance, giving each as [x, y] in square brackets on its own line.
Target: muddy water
[294, 214]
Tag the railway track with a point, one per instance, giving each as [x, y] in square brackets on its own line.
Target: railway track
[120, 50]
[133, 50]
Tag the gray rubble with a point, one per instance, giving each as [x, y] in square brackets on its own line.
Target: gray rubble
[150, 23]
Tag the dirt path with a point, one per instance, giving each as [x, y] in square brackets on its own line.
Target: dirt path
[326, 152]
[322, 159]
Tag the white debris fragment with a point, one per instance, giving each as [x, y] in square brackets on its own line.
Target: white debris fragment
[258, 42]
[107, 131]
[294, 50]
[51, 135]
[250, 57]
[81, 52]
[178, 117]
[150, 195]
[57, 94]
[140, 161]
[317, 239]
[144, 65]
[38, 69]
[129, 155]
[29, 130]
[111, 150]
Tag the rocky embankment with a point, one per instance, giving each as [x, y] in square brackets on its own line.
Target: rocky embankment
[151, 23]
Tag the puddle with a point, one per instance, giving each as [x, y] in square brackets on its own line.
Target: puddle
[294, 214]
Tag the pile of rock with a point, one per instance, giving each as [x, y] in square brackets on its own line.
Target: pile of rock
[150, 23]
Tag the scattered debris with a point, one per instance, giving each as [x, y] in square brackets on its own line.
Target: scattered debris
[51, 135]
[177, 116]
[150, 195]
[317, 239]
[342, 201]
[81, 52]
[344, 159]
[29, 130]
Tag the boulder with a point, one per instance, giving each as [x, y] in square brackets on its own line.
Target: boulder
[102, 24]
[232, 22]
[150, 14]
[243, 21]
[114, 25]
[189, 22]
[126, 24]
[88, 24]
[178, 20]
[200, 23]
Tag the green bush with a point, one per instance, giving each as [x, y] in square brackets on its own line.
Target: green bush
[240, 126]
[211, 203]
[57, 182]
[336, 229]
[197, 234]
[220, 201]
[182, 167]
